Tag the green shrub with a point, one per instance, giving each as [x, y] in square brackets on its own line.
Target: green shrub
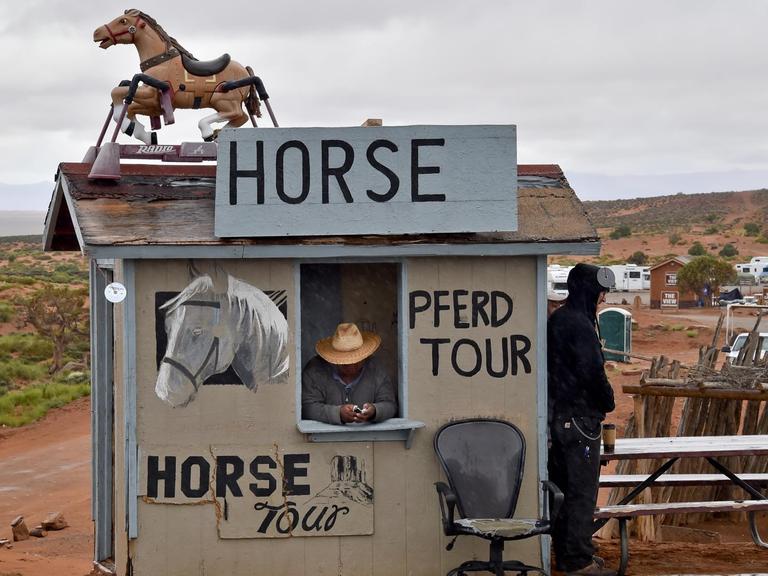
[20, 407]
[69, 272]
[27, 346]
[6, 312]
[697, 249]
[751, 229]
[712, 230]
[639, 258]
[12, 371]
[762, 240]
[620, 232]
[14, 279]
[692, 333]
[728, 251]
[674, 239]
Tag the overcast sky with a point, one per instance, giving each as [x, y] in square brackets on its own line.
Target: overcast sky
[630, 98]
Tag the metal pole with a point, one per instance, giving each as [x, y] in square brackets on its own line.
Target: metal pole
[106, 124]
[271, 114]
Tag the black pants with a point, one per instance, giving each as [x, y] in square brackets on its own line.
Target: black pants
[574, 465]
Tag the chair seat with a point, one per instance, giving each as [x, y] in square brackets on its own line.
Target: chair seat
[508, 528]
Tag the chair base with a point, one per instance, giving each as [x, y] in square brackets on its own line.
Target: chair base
[495, 568]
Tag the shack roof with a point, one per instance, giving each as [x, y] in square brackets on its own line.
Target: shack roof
[682, 260]
[167, 210]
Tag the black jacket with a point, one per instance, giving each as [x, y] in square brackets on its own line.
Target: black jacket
[577, 382]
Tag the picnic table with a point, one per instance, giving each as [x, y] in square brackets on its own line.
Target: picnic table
[670, 450]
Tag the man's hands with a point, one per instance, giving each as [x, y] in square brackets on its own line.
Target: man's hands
[349, 414]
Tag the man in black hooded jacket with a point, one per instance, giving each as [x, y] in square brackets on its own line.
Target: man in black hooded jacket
[579, 398]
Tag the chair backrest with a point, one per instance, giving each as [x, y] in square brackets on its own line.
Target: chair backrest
[483, 460]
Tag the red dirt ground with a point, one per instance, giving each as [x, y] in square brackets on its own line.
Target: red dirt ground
[45, 467]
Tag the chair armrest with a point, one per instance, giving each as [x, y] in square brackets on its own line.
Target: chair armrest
[447, 504]
[557, 498]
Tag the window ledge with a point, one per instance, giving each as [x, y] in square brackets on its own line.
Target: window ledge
[390, 430]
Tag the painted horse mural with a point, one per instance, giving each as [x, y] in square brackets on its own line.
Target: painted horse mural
[210, 328]
[193, 84]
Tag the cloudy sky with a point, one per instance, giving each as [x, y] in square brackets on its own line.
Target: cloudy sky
[630, 98]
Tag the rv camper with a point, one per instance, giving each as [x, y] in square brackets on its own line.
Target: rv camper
[557, 279]
[631, 277]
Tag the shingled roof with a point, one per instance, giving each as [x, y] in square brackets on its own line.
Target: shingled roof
[164, 205]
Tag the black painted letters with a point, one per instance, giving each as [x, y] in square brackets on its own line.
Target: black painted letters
[307, 169]
[498, 357]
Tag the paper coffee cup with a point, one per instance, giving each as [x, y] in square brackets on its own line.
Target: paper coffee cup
[609, 437]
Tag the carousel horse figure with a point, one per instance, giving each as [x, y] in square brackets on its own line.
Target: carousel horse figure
[192, 83]
[219, 321]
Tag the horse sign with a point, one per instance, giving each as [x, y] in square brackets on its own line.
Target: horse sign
[221, 84]
[366, 180]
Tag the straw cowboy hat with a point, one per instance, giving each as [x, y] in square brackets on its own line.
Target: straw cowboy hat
[348, 345]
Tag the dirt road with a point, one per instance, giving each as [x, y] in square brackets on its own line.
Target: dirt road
[46, 467]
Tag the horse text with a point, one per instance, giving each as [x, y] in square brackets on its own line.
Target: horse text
[294, 157]
[193, 477]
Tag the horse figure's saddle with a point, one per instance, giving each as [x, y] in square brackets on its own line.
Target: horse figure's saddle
[207, 67]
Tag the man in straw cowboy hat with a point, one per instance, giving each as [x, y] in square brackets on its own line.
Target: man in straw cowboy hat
[344, 384]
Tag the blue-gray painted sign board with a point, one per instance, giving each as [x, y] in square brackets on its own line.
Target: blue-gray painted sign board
[366, 180]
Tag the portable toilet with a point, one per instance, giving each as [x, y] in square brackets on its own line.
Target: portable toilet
[616, 332]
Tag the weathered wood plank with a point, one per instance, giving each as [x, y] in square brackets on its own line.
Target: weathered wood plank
[628, 510]
[687, 446]
[680, 392]
[631, 480]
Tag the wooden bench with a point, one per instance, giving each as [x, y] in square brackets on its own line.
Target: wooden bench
[670, 449]
[626, 511]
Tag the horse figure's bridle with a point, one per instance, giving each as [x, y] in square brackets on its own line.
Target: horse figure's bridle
[131, 29]
[212, 351]
[170, 52]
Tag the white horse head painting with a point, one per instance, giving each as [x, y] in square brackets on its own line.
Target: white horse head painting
[209, 330]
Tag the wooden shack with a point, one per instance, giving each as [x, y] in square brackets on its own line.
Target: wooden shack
[665, 293]
[187, 478]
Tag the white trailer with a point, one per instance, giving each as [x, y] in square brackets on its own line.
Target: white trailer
[557, 279]
[756, 268]
[631, 277]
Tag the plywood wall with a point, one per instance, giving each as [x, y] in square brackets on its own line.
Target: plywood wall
[184, 539]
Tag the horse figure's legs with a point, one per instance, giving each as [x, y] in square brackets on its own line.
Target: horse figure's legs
[229, 108]
[206, 125]
[145, 95]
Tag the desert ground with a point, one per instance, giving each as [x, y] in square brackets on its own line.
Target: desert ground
[46, 467]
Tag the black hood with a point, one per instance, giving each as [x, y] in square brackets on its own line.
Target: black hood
[585, 283]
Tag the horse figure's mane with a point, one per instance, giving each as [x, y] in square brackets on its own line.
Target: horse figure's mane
[248, 298]
[244, 294]
[167, 38]
[199, 285]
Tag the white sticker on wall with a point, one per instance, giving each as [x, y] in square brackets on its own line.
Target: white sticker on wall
[115, 292]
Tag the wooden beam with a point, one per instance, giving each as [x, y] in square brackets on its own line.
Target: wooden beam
[679, 392]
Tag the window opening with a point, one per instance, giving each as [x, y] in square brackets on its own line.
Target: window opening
[362, 293]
